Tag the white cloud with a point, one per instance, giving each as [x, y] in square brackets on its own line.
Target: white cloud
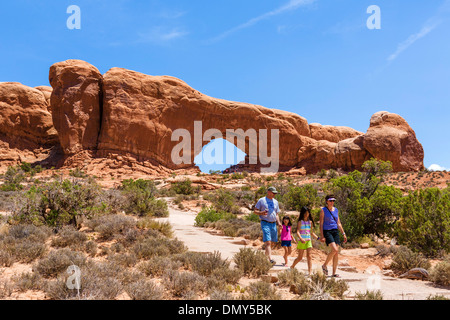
[290, 6]
[161, 35]
[436, 167]
[412, 39]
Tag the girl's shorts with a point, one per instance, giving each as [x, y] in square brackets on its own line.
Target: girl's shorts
[304, 246]
[286, 243]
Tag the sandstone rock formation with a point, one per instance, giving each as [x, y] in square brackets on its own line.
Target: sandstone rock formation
[128, 118]
[141, 112]
[26, 126]
[75, 104]
[390, 137]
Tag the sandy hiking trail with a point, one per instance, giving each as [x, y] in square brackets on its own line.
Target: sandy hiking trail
[200, 240]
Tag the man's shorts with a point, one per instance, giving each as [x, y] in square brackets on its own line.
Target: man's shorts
[269, 230]
[332, 236]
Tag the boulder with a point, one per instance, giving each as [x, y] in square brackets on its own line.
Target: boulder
[24, 116]
[390, 138]
[76, 104]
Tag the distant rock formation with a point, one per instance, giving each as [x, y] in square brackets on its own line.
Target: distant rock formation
[26, 126]
[125, 114]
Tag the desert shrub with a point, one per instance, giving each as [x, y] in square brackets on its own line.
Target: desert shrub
[440, 274]
[30, 232]
[12, 179]
[261, 290]
[58, 261]
[184, 187]
[165, 228]
[220, 295]
[140, 198]
[69, 237]
[386, 204]
[227, 275]
[91, 247]
[364, 205]
[320, 287]
[25, 251]
[111, 225]
[369, 295]
[252, 231]
[23, 243]
[144, 290]
[157, 247]
[251, 262]
[6, 288]
[59, 203]
[184, 284]
[384, 250]
[299, 196]
[252, 217]
[291, 277]
[437, 297]
[316, 287]
[205, 263]
[99, 281]
[424, 224]
[405, 259]
[157, 267]
[6, 258]
[210, 214]
[124, 259]
[8, 199]
[28, 281]
[77, 173]
[223, 201]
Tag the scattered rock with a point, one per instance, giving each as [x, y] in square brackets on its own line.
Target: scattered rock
[269, 278]
[416, 274]
[365, 246]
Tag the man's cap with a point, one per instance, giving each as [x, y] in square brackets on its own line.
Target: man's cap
[272, 189]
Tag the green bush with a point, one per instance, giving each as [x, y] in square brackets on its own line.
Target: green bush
[59, 203]
[424, 224]
[140, 199]
[13, 179]
[297, 197]
[210, 214]
[184, 187]
[223, 200]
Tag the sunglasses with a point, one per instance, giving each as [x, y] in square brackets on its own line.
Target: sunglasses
[332, 200]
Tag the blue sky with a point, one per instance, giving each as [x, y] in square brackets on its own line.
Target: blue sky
[316, 58]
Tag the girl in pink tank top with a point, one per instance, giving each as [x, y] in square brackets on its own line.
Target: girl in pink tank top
[286, 238]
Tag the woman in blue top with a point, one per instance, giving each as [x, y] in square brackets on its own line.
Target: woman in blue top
[329, 225]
